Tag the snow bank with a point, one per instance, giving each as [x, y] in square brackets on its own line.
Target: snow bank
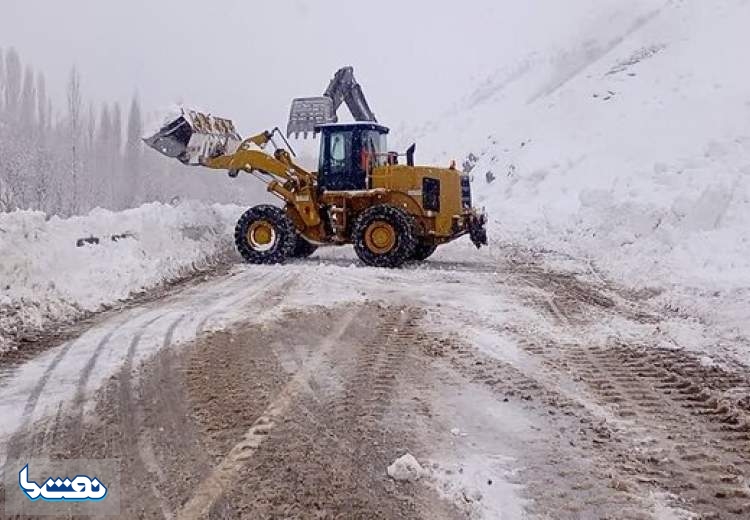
[45, 277]
[635, 155]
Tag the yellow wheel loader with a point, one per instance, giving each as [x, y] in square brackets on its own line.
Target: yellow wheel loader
[392, 213]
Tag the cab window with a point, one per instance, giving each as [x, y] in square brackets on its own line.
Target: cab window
[339, 146]
[374, 144]
[338, 149]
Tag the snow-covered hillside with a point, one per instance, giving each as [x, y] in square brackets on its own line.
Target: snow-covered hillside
[631, 148]
[48, 278]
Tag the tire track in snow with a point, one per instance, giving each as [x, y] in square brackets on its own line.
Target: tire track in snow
[130, 408]
[79, 369]
[249, 297]
[698, 437]
[13, 447]
[225, 473]
[144, 447]
[74, 423]
[79, 396]
[31, 404]
[146, 450]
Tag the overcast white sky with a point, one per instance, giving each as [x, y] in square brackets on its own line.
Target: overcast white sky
[247, 59]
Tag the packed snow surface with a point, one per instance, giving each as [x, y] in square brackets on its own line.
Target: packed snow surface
[46, 277]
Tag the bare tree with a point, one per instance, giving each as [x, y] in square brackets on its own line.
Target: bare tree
[116, 129]
[6, 202]
[133, 150]
[11, 161]
[90, 127]
[118, 181]
[104, 134]
[135, 129]
[103, 160]
[93, 190]
[74, 131]
[6, 197]
[12, 83]
[49, 115]
[27, 119]
[41, 99]
[2, 79]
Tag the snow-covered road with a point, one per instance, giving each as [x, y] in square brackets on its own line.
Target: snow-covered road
[523, 385]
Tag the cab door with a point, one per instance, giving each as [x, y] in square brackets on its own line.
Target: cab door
[337, 168]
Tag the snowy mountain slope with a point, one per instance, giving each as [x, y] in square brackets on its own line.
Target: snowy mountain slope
[640, 161]
[545, 52]
[47, 278]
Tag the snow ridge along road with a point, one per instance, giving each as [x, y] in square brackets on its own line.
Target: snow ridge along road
[523, 389]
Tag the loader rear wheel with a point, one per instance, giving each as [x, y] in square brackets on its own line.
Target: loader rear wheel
[265, 235]
[384, 236]
[303, 248]
[423, 251]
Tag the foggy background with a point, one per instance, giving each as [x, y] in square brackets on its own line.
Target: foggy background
[246, 61]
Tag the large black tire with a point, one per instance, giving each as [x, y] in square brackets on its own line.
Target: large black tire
[384, 236]
[423, 251]
[265, 235]
[303, 248]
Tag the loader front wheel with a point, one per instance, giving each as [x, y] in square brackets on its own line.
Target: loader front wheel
[384, 236]
[265, 235]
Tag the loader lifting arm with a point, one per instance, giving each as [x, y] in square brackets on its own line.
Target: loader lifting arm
[198, 139]
[255, 159]
[290, 182]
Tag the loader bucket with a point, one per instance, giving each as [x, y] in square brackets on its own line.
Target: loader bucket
[308, 112]
[190, 136]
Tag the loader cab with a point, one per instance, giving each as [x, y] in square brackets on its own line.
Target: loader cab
[348, 152]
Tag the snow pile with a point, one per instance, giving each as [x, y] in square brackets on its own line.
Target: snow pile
[45, 277]
[159, 118]
[635, 155]
[405, 468]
